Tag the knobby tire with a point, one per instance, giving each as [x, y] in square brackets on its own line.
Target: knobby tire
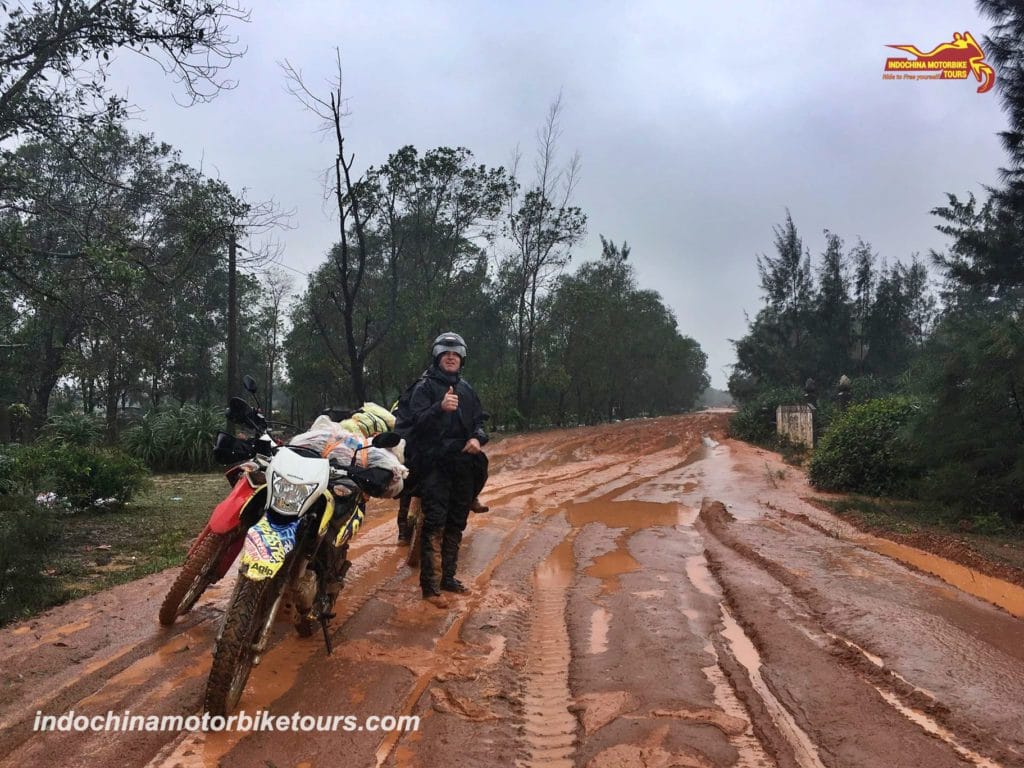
[194, 578]
[233, 655]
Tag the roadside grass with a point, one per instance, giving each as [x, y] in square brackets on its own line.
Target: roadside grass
[92, 551]
[998, 542]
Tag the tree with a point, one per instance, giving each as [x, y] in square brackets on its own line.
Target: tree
[970, 433]
[833, 313]
[612, 350]
[1004, 45]
[786, 281]
[350, 257]
[410, 229]
[54, 57]
[543, 225]
[864, 280]
[778, 350]
[116, 283]
[277, 287]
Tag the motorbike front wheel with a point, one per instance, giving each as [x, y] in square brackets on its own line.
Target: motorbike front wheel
[235, 652]
[195, 576]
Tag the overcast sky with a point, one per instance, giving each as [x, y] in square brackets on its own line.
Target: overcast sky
[698, 124]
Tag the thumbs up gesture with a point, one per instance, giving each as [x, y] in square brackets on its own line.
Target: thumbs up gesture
[450, 402]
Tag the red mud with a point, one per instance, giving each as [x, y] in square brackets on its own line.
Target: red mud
[642, 596]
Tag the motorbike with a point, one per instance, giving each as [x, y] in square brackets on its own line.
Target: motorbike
[218, 544]
[296, 555]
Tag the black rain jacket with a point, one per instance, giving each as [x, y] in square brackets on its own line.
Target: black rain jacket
[436, 434]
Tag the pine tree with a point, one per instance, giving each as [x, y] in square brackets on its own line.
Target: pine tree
[1004, 46]
[833, 311]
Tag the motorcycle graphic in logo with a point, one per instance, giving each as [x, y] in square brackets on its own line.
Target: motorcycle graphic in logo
[955, 60]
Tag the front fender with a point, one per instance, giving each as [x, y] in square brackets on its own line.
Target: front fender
[228, 513]
[267, 544]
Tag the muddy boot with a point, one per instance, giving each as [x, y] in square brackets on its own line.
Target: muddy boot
[451, 584]
[478, 506]
[430, 562]
[430, 571]
[450, 561]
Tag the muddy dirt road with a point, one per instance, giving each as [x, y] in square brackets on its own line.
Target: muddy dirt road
[644, 594]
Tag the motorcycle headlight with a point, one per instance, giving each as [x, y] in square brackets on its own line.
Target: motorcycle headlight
[287, 497]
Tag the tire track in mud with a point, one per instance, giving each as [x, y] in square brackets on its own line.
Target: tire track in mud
[97, 675]
[724, 711]
[547, 724]
[550, 728]
[727, 654]
[515, 539]
[912, 704]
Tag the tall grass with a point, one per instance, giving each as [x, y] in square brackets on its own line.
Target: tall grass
[175, 438]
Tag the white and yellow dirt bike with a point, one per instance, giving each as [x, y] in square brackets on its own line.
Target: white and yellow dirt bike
[295, 554]
[215, 548]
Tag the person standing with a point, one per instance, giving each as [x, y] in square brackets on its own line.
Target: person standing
[447, 436]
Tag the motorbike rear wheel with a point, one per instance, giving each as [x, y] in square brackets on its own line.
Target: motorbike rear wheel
[235, 652]
[195, 576]
[416, 536]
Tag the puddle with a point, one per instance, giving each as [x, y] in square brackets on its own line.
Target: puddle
[632, 515]
[699, 575]
[1007, 596]
[550, 728]
[611, 565]
[746, 654]
[600, 621]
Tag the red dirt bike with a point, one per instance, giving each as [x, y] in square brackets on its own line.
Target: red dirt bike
[218, 544]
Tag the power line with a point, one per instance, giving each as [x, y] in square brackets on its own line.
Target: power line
[293, 269]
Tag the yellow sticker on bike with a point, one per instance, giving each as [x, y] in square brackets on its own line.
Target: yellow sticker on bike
[351, 527]
[266, 547]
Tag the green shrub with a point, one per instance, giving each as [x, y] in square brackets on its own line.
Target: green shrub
[27, 536]
[80, 429]
[755, 420]
[8, 469]
[979, 499]
[863, 389]
[81, 477]
[863, 450]
[175, 438]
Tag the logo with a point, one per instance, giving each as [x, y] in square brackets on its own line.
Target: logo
[947, 61]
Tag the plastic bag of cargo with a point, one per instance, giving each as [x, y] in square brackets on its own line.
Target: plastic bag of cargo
[383, 458]
[330, 439]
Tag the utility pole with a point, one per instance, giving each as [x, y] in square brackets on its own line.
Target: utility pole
[232, 374]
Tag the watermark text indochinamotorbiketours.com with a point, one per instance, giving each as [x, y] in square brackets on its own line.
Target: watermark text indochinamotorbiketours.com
[258, 721]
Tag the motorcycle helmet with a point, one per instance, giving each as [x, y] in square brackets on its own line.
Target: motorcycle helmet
[448, 342]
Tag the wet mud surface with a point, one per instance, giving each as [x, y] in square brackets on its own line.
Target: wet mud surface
[643, 594]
